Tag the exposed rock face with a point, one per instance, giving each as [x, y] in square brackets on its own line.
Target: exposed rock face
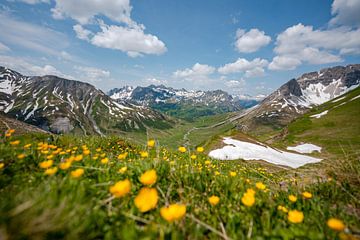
[62, 105]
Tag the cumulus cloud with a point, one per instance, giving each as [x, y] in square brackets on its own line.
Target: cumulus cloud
[251, 41]
[346, 12]
[197, 70]
[4, 48]
[91, 74]
[133, 41]
[284, 63]
[126, 36]
[254, 68]
[304, 44]
[84, 11]
[27, 67]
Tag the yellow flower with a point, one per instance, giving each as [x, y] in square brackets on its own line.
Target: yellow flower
[248, 199]
[51, 171]
[11, 131]
[122, 170]
[232, 174]
[21, 156]
[98, 150]
[214, 200]
[292, 198]
[65, 165]
[104, 160]
[217, 173]
[147, 199]
[77, 173]
[295, 216]
[16, 142]
[86, 152]
[207, 162]
[122, 156]
[27, 146]
[182, 149]
[200, 149]
[121, 188]
[144, 154]
[173, 212]
[2, 165]
[282, 208]
[78, 158]
[151, 143]
[193, 157]
[260, 185]
[307, 195]
[46, 164]
[336, 224]
[149, 177]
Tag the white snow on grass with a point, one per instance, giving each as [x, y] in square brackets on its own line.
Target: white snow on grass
[305, 148]
[236, 149]
[355, 98]
[320, 114]
[338, 99]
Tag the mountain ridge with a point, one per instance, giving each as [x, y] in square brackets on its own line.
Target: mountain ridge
[60, 105]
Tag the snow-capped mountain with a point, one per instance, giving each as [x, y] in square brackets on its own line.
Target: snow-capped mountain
[299, 95]
[168, 99]
[60, 105]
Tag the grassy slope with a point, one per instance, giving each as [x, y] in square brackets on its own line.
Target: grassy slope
[36, 206]
[338, 132]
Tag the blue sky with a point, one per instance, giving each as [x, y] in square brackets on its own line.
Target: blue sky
[244, 47]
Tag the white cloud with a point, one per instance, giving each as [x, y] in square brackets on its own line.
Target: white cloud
[254, 68]
[127, 36]
[302, 44]
[235, 83]
[4, 48]
[31, 36]
[347, 12]
[284, 63]
[251, 41]
[27, 67]
[91, 74]
[198, 70]
[155, 81]
[82, 33]
[133, 41]
[84, 11]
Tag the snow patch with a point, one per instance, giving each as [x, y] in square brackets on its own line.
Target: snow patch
[249, 151]
[305, 148]
[320, 114]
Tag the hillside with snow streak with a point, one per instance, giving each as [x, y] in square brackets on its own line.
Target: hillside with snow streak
[61, 106]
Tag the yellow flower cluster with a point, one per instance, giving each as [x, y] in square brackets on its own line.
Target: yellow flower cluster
[248, 199]
[121, 188]
[149, 177]
[147, 199]
[214, 200]
[295, 216]
[173, 212]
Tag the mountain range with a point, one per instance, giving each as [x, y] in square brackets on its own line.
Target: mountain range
[59, 105]
[182, 103]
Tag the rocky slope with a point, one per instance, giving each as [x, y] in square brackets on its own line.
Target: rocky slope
[61, 106]
[297, 96]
